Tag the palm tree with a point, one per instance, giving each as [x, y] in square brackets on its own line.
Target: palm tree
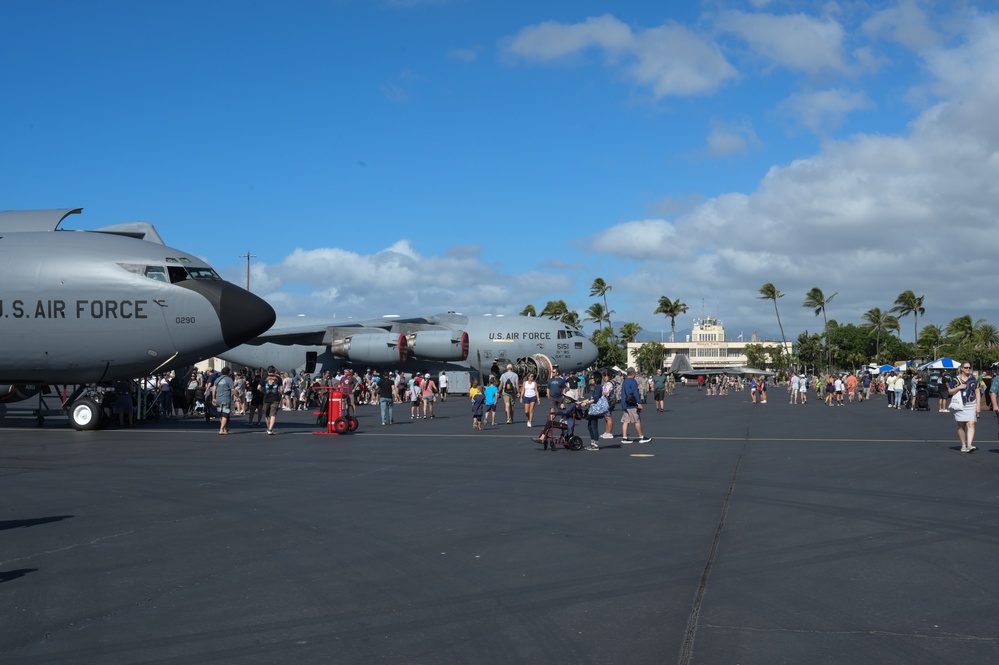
[818, 301]
[597, 313]
[875, 319]
[671, 309]
[769, 292]
[599, 289]
[571, 318]
[986, 337]
[629, 331]
[555, 309]
[931, 337]
[909, 303]
[529, 311]
[963, 330]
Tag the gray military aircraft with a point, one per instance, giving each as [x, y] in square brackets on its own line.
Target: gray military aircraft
[87, 307]
[483, 344]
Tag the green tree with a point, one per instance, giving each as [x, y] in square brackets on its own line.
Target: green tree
[529, 311]
[558, 310]
[599, 289]
[963, 331]
[909, 303]
[769, 292]
[756, 356]
[809, 348]
[931, 338]
[877, 321]
[628, 332]
[650, 357]
[670, 309]
[986, 338]
[609, 349]
[818, 301]
[597, 313]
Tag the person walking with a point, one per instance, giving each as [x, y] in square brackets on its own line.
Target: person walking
[659, 390]
[529, 397]
[429, 393]
[509, 384]
[595, 410]
[272, 398]
[222, 399]
[632, 408]
[966, 413]
[491, 395]
[386, 398]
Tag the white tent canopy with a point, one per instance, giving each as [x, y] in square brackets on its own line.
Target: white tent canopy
[941, 363]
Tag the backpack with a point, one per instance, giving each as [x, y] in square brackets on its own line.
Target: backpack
[508, 388]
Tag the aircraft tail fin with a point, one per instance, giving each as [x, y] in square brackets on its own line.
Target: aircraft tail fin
[681, 365]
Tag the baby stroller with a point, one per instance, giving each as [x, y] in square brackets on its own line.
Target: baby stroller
[922, 396]
[558, 430]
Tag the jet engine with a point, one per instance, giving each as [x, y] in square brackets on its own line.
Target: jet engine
[439, 344]
[16, 393]
[375, 348]
[540, 365]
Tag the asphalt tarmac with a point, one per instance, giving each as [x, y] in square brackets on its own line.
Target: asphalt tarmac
[742, 534]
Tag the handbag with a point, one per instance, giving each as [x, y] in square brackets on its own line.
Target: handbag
[598, 408]
[956, 402]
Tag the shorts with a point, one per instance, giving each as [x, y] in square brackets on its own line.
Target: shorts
[531, 400]
[428, 398]
[659, 395]
[491, 408]
[225, 408]
[508, 398]
[271, 409]
[630, 416]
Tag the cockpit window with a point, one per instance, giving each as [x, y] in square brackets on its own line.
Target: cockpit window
[156, 272]
[203, 273]
[171, 273]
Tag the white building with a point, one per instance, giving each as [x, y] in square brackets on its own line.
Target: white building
[707, 347]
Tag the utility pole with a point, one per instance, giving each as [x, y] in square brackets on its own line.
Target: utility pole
[247, 256]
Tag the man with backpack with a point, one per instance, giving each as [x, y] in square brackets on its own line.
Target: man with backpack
[509, 387]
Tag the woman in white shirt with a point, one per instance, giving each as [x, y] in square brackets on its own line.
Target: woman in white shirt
[529, 396]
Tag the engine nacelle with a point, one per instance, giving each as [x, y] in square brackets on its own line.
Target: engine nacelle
[376, 348]
[16, 393]
[540, 365]
[439, 344]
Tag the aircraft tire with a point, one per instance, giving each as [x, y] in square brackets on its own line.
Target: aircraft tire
[575, 443]
[340, 425]
[85, 414]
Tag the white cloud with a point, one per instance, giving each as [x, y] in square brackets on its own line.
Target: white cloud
[824, 110]
[669, 59]
[868, 217]
[905, 23]
[730, 138]
[796, 42]
[466, 54]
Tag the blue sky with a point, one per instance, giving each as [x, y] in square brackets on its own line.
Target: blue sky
[416, 156]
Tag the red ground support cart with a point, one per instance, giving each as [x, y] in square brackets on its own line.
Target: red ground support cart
[336, 414]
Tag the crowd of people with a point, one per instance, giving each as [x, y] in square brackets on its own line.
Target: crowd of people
[597, 397]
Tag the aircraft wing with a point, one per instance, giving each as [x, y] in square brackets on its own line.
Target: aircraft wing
[376, 340]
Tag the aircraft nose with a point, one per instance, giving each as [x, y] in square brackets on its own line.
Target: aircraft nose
[243, 315]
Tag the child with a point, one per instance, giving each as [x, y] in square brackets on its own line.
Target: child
[478, 408]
